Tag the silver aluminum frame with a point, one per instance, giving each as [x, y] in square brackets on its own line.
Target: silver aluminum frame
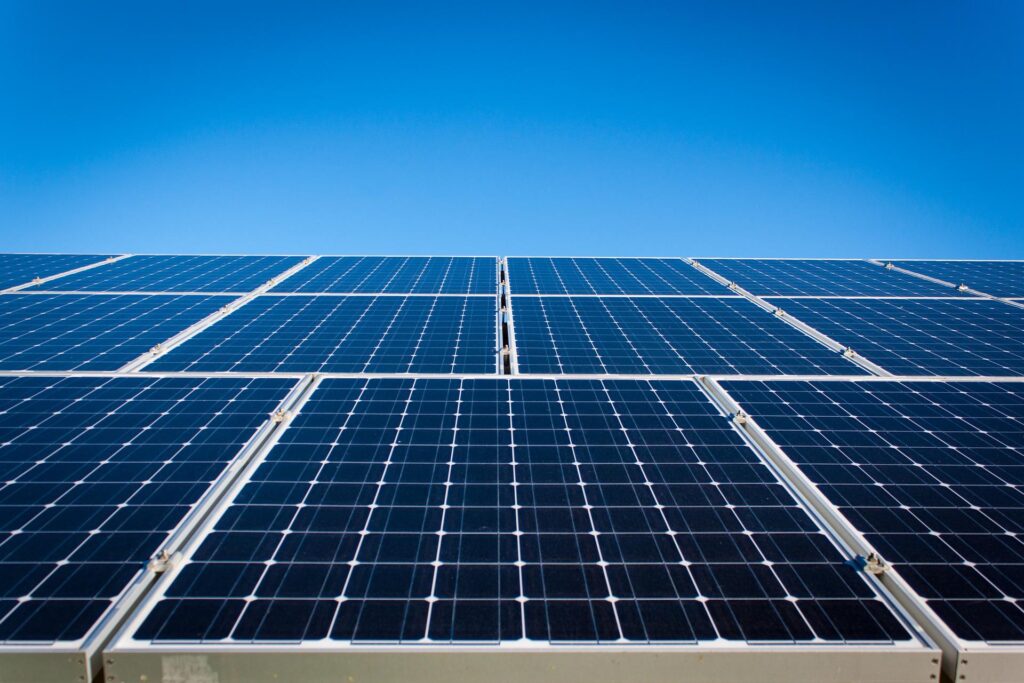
[39, 281]
[890, 265]
[80, 660]
[962, 660]
[130, 660]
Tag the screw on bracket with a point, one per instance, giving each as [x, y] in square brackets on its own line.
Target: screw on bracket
[849, 353]
[157, 350]
[280, 416]
[875, 565]
[740, 418]
[962, 287]
[163, 561]
[779, 312]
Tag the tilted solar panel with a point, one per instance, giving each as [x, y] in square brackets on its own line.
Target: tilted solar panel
[821, 277]
[639, 335]
[19, 269]
[300, 333]
[92, 332]
[461, 510]
[922, 336]
[930, 472]
[96, 473]
[998, 278]
[396, 275]
[165, 273]
[607, 276]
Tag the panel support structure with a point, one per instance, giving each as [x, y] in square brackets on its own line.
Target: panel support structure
[226, 310]
[889, 265]
[40, 280]
[961, 661]
[793, 321]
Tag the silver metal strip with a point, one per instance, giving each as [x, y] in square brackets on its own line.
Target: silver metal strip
[795, 322]
[998, 660]
[889, 265]
[40, 280]
[513, 353]
[191, 331]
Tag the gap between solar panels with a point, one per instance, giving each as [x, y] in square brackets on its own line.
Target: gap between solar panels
[960, 287]
[39, 280]
[537, 633]
[177, 340]
[56, 626]
[979, 640]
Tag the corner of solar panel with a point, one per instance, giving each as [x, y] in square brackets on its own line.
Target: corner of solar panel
[475, 468]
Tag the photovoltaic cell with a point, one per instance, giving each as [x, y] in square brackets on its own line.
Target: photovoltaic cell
[618, 335]
[608, 276]
[434, 511]
[821, 277]
[298, 333]
[93, 332]
[930, 472]
[396, 275]
[237, 274]
[19, 269]
[96, 473]
[922, 336]
[998, 278]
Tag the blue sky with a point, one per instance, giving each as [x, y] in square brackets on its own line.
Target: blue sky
[704, 128]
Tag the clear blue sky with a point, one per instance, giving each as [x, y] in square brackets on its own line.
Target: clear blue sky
[704, 128]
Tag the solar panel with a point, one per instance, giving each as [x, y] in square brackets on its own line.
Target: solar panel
[998, 278]
[931, 474]
[237, 274]
[922, 336]
[607, 276]
[97, 472]
[619, 335]
[436, 511]
[300, 333]
[19, 269]
[821, 277]
[96, 332]
[396, 275]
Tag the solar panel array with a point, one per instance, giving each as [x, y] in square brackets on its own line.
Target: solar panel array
[350, 452]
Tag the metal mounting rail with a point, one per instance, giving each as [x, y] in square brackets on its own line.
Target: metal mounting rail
[224, 311]
[889, 265]
[40, 280]
[990, 664]
[795, 322]
[507, 324]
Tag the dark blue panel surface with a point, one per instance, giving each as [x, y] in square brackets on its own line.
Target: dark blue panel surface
[396, 275]
[608, 276]
[821, 277]
[922, 336]
[931, 474]
[439, 511]
[19, 269]
[96, 472]
[619, 335]
[998, 278]
[91, 332]
[442, 334]
[177, 274]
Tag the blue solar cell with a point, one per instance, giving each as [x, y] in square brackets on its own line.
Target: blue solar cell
[96, 473]
[299, 333]
[91, 332]
[20, 269]
[396, 275]
[998, 278]
[607, 276]
[236, 274]
[461, 510]
[619, 335]
[922, 336]
[930, 472]
[821, 277]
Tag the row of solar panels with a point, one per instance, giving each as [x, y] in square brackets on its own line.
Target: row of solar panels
[477, 275]
[730, 333]
[725, 516]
